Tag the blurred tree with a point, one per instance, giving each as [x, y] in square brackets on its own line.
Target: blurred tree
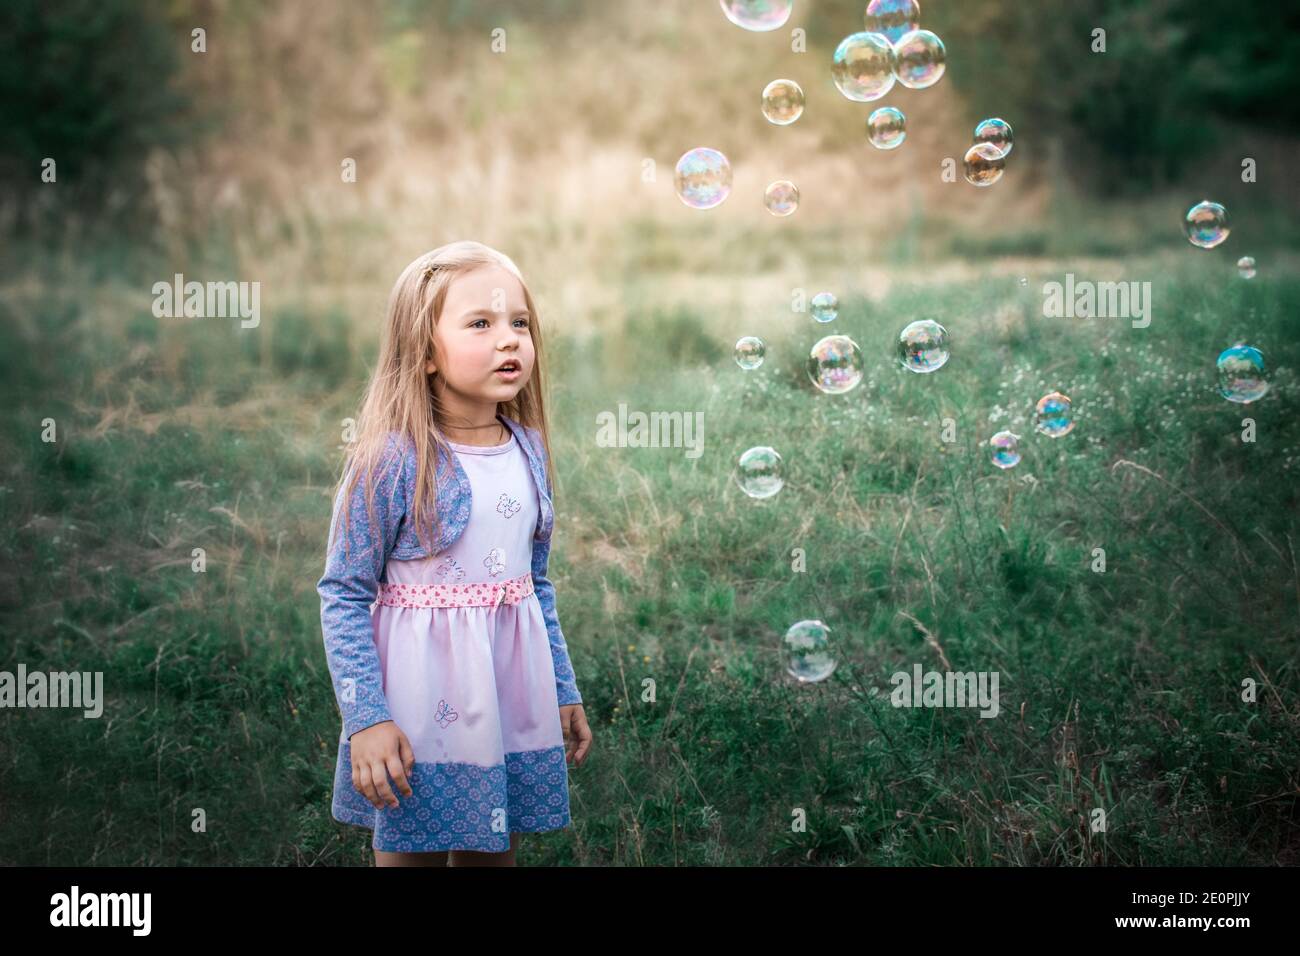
[88, 83]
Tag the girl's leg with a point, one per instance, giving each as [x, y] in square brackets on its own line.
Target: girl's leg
[386, 858]
[477, 858]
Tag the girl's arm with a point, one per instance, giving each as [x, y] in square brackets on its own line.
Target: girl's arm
[350, 586]
[566, 686]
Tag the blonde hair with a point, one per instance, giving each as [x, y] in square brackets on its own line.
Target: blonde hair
[400, 396]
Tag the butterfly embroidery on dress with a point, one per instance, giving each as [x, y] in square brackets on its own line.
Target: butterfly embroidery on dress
[508, 506]
[495, 561]
[449, 570]
[444, 715]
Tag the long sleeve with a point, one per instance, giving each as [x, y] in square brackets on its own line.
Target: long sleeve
[350, 586]
[566, 686]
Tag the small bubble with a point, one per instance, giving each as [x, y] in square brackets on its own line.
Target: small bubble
[1206, 224]
[750, 352]
[886, 128]
[783, 102]
[781, 198]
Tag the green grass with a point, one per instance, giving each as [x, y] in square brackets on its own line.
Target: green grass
[1119, 690]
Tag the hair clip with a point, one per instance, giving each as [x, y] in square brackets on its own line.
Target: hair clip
[428, 271]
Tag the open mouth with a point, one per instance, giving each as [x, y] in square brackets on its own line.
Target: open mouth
[509, 366]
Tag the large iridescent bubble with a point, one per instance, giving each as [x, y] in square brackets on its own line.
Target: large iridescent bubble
[921, 59]
[750, 351]
[835, 364]
[1054, 415]
[702, 178]
[1241, 374]
[758, 15]
[886, 128]
[759, 472]
[1206, 224]
[806, 649]
[781, 197]
[863, 66]
[923, 346]
[782, 102]
[996, 132]
[893, 18]
[983, 164]
[1246, 267]
[1004, 449]
[825, 307]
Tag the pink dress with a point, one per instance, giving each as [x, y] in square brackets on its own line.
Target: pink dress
[473, 686]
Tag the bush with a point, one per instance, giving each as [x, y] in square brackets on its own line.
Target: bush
[88, 83]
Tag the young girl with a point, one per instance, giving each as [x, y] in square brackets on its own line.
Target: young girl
[449, 667]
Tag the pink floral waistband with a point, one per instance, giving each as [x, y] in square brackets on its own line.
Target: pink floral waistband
[485, 594]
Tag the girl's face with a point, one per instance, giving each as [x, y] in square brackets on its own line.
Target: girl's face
[484, 349]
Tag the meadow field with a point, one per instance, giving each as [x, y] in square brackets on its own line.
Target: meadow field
[1123, 690]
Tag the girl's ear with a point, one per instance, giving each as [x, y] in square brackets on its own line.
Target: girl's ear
[428, 368]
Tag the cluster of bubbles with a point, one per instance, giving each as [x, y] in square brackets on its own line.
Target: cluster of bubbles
[1240, 368]
[866, 65]
[1053, 417]
[987, 158]
[891, 49]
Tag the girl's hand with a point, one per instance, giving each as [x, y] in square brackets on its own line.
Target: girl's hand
[379, 751]
[577, 735]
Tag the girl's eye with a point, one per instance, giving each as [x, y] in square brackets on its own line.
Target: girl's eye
[523, 322]
[477, 322]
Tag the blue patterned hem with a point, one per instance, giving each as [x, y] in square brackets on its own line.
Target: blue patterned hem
[462, 806]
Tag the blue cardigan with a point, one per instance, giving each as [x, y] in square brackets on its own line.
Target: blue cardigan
[350, 584]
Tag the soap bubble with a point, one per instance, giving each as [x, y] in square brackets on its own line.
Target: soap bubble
[782, 102]
[781, 198]
[923, 346]
[996, 132]
[835, 364]
[758, 15]
[825, 307]
[1206, 224]
[759, 472]
[1241, 374]
[1246, 267]
[984, 165]
[807, 652]
[750, 351]
[921, 59]
[1054, 415]
[886, 128]
[702, 178]
[1006, 449]
[863, 66]
[1024, 282]
[893, 18]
